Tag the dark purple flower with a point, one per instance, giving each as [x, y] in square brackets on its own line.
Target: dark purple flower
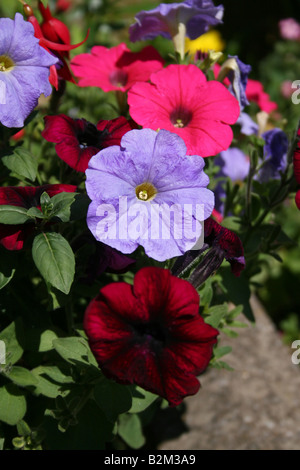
[238, 78]
[275, 155]
[222, 244]
[196, 15]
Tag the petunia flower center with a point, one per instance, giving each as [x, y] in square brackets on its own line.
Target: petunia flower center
[180, 117]
[6, 63]
[153, 331]
[118, 78]
[145, 191]
[91, 136]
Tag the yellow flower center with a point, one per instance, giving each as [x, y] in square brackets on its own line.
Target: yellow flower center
[179, 123]
[6, 63]
[145, 191]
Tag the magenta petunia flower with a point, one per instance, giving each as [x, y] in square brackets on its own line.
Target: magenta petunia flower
[24, 71]
[148, 192]
[13, 237]
[181, 100]
[117, 68]
[151, 334]
[78, 140]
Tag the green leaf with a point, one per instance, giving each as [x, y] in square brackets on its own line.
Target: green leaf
[23, 428]
[112, 398]
[21, 376]
[22, 163]
[238, 291]
[141, 399]
[45, 385]
[35, 212]
[74, 350]
[13, 404]
[13, 337]
[55, 260]
[222, 351]
[130, 429]
[216, 313]
[7, 267]
[62, 206]
[13, 215]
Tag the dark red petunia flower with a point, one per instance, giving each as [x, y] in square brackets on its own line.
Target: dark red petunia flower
[296, 163]
[151, 334]
[78, 140]
[222, 244]
[13, 237]
[54, 36]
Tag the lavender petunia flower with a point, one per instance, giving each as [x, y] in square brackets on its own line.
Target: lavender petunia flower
[24, 70]
[275, 155]
[235, 165]
[248, 126]
[196, 15]
[148, 192]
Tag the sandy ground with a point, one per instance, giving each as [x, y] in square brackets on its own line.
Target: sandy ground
[257, 406]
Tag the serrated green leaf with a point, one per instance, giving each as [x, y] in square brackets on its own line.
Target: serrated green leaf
[230, 333]
[13, 215]
[21, 376]
[112, 398]
[141, 399]
[12, 404]
[130, 429]
[22, 163]
[55, 260]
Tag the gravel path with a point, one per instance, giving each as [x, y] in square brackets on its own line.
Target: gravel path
[257, 406]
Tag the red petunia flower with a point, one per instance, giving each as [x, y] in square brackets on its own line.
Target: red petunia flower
[181, 100]
[117, 68]
[151, 334]
[54, 36]
[255, 92]
[13, 237]
[78, 140]
[296, 162]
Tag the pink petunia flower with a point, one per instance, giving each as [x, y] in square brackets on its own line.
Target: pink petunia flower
[77, 140]
[117, 68]
[181, 100]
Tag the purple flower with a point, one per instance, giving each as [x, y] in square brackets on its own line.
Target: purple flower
[148, 192]
[24, 70]
[238, 78]
[248, 126]
[275, 155]
[196, 15]
[233, 164]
